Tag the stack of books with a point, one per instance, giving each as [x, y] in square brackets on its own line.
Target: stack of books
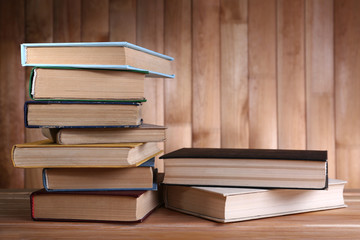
[228, 185]
[98, 161]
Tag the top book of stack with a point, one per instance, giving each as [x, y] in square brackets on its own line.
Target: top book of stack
[101, 55]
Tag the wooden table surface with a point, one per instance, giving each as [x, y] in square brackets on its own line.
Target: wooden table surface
[15, 223]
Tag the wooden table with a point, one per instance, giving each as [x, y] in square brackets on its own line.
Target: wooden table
[15, 223]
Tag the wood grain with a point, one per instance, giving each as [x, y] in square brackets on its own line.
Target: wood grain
[206, 73]
[12, 92]
[320, 122]
[347, 97]
[95, 20]
[67, 21]
[234, 74]
[123, 20]
[178, 95]
[291, 74]
[341, 223]
[262, 74]
[39, 29]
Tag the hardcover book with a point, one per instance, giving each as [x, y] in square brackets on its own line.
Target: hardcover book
[263, 168]
[142, 177]
[108, 206]
[46, 154]
[74, 114]
[143, 133]
[240, 204]
[86, 84]
[103, 55]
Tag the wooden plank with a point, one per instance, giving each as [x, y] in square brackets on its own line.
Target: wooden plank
[123, 20]
[12, 92]
[206, 73]
[178, 90]
[67, 20]
[95, 21]
[39, 28]
[347, 97]
[291, 74]
[262, 74]
[234, 74]
[150, 34]
[320, 121]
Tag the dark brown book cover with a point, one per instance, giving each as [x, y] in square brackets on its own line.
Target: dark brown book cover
[134, 194]
[239, 153]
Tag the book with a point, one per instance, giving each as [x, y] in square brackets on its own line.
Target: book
[143, 133]
[46, 154]
[142, 177]
[104, 55]
[72, 114]
[240, 204]
[263, 168]
[86, 84]
[108, 206]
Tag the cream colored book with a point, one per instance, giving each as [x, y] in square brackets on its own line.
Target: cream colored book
[240, 204]
[143, 133]
[46, 154]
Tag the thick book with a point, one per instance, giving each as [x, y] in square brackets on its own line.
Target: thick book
[74, 114]
[86, 84]
[107, 206]
[46, 154]
[263, 168]
[103, 55]
[142, 177]
[240, 204]
[143, 133]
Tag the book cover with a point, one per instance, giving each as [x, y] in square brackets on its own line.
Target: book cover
[34, 75]
[148, 164]
[102, 206]
[82, 115]
[152, 56]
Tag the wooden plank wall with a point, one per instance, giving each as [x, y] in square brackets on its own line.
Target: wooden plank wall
[249, 73]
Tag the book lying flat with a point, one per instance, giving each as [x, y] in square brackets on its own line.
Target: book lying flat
[46, 154]
[240, 204]
[103, 55]
[142, 177]
[74, 114]
[86, 84]
[143, 133]
[263, 168]
[108, 206]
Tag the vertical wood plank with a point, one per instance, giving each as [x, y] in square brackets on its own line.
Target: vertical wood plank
[12, 18]
[150, 34]
[291, 74]
[95, 21]
[67, 20]
[262, 74]
[234, 74]
[347, 97]
[123, 20]
[178, 90]
[320, 122]
[39, 28]
[206, 73]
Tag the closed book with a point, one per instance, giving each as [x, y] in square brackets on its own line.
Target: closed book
[103, 55]
[142, 177]
[240, 204]
[75, 114]
[46, 154]
[106, 206]
[143, 133]
[263, 168]
[86, 84]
